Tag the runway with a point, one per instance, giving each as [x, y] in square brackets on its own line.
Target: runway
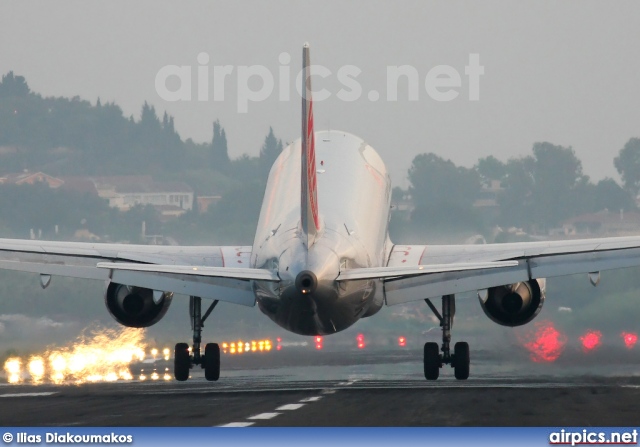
[356, 390]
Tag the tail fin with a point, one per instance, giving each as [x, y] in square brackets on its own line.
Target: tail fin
[308, 196]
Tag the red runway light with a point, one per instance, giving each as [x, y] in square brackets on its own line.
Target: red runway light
[360, 339]
[548, 343]
[402, 341]
[591, 340]
[630, 339]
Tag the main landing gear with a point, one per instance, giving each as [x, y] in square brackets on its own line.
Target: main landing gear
[185, 360]
[433, 360]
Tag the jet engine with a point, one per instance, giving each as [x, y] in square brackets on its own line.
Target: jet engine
[513, 304]
[136, 306]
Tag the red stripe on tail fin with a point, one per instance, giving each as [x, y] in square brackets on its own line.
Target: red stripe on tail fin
[309, 194]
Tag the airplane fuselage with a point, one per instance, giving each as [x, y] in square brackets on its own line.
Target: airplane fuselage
[354, 194]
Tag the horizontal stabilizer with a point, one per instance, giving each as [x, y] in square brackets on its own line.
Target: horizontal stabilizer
[403, 272]
[246, 274]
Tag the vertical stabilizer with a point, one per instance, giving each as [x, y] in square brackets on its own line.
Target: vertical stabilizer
[308, 196]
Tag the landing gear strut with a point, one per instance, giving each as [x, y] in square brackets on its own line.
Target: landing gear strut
[183, 360]
[433, 360]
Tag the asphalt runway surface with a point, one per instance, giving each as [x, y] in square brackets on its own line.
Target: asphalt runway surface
[342, 389]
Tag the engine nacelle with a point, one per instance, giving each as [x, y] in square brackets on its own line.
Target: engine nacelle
[136, 306]
[514, 304]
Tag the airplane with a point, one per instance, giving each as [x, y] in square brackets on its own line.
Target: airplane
[322, 259]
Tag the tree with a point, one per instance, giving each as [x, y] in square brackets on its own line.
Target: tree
[542, 190]
[165, 120]
[235, 224]
[39, 207]
[436, 181]
[490, 168]
[628, 165]
[443, 194]
[557, 174]
[219, 152]
[148, 116]
[606, 194]
[397, 194]
[270, 150]
[517, 201]
[13, 86]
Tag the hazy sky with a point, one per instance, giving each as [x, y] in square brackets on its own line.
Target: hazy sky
[566, 72]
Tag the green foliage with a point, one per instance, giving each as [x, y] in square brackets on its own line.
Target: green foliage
[537, 192]
[612, 305]
[41, 209]
[270, 150]
[435, 182]
[13, 86]
[219, 152]
[542, 190]
[128, 225]
[516, 202]
[64, 137]
[490, 168]
[557, 175]
[443, 194]
[628, 165]
[606, 194]
[71, 137]
[38, 207]
[397, 194]
[235, 218]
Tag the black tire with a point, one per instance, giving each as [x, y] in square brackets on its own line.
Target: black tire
[461, 360]
[432, 361]
[212, 361]
[181, 362]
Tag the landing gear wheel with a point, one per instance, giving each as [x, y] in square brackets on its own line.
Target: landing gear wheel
[183, 359]
[431, 361]
[461, 360]
[211, 361]
[181, 362]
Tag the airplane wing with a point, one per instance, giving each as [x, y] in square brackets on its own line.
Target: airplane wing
[532, 260]
[223, 270]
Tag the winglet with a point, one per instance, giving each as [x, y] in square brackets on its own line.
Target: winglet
[308, 196]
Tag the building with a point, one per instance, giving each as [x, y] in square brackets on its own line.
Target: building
[171, 199]
[204, 202]
[31, 178]
[603, 223]
[487, 204]
[124, 192]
